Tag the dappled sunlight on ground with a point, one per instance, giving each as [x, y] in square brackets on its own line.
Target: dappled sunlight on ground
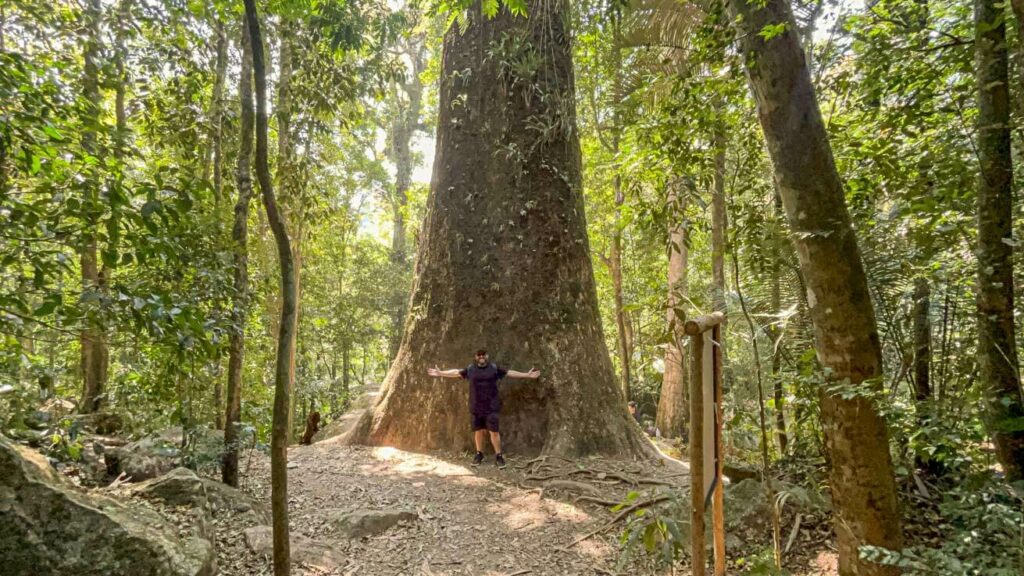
[394, 461]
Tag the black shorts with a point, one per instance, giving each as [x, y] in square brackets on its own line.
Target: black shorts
[488, 421]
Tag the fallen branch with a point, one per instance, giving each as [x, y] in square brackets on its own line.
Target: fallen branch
[622, 514]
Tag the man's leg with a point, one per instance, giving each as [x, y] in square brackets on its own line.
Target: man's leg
[479, 436]
[492, 427]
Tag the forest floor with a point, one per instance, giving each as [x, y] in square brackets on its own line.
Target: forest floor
[529, 518]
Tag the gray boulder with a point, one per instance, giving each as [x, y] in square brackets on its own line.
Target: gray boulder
[158, 454]
[49, 528]
[362, 523]
[260, 539]
[182, 487]
[145, 458]
[179, 487]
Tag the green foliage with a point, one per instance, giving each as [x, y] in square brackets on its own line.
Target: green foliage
[651, 531]
[982, 534]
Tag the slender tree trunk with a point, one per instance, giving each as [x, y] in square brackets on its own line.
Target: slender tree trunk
[288, 184]
[217, 139]
[776, 330]
[346, 370]
[847, 340]
[240, 237]
[922, 340]
[94, 353]
[285, 340]
[997, 348]
[673, 402]
[624, 328]
[718, 225]
[404, 127]
[504, 260]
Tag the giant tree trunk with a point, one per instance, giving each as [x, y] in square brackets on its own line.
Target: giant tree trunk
[240, 237]
[94, 353]
[997, 349]
[847, 341]
[504, 260]
[285, 339]
[673, 402]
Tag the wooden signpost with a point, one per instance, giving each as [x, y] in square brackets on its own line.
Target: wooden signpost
[706, 438]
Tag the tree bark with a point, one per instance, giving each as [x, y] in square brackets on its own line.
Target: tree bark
[289, 305]
[240, 237]
[504, 261]
[846, 337]
[94, 353]
[673, 402]
[997, 349]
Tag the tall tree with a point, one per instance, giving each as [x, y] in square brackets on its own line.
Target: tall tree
[289, 307]
[719, 220]
[217, 150]
[997, 347]
[614, 142]
[287, 181]
[673, 402]
[95, 355]
[775, 332]
[847, 340]
[407, 100]
[240, 255]
[504, 260]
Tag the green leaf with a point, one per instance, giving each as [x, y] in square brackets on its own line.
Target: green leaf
[772, 30]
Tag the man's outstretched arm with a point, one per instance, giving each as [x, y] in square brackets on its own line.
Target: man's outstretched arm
[533, 374]
[438, 373]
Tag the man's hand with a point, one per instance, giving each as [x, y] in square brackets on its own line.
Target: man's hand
[438, 373]
[533, 374]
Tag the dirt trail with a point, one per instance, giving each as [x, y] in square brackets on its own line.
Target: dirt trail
[480, 521]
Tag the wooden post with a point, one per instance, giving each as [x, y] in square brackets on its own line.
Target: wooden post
[718, 502]
[698, 555]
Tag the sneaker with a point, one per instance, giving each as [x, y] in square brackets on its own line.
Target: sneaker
[499, 461]
[478, 458]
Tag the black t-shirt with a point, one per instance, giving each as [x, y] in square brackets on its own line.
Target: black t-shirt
[483, 387]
